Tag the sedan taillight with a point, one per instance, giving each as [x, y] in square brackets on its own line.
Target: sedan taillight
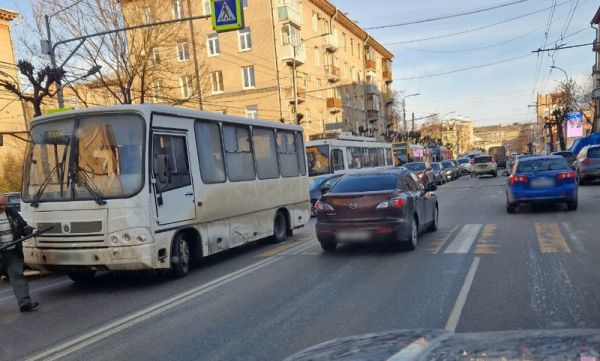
[517, 179]
[566, 175]
[392, 203]
[322, 206]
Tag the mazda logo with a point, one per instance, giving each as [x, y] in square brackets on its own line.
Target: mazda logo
[66, 228]
[353, 205]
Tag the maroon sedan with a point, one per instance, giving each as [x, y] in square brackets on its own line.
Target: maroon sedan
[388, 205]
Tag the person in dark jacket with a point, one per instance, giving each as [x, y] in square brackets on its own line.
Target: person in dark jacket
[13, 227]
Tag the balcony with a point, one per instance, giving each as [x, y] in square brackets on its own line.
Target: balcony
[334, 105]
[330, 42]
[596, 94]
[387, 76]
[388, 97]
[372, 115]
[370, 66]
[287, 55]
[371, 89]
[290, 14]
[333, 73]
[289, 94]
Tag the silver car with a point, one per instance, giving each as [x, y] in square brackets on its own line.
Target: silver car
[587, 165]
[484, 164]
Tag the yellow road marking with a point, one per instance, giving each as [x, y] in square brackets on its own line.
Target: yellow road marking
[551, 239]
[486, 244]
[281, 248]
[439, 243]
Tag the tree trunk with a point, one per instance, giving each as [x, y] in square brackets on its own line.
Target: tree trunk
[37, 107]
[560, 132]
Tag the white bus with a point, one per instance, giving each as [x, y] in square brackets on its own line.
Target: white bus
[344, 152]
[156, 187]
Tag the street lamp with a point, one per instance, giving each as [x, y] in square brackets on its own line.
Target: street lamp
[404, 109]
[294, 74]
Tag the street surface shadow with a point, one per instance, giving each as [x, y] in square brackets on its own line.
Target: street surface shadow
[542, 208]
[368, 249]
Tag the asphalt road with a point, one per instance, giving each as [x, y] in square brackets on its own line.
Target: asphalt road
[484, 270]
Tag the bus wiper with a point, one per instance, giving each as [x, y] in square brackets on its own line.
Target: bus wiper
[89, 185]
[35, 202]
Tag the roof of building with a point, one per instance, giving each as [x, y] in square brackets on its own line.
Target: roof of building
[341, 18]
[8, 15]
[596, 18]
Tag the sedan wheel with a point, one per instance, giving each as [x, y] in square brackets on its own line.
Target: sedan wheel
[411, 243]
[434, 223]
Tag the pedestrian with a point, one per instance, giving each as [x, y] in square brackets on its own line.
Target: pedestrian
[13, 227]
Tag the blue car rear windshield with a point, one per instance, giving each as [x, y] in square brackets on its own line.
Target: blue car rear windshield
[366, 183]
[538, 165]
[415, 166]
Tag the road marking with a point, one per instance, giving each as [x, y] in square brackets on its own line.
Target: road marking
[465, 238]
[126, 322]
[280, 248]
[297, 250]
[38, 289]
[485, 244]
[459, 304]
[550, 239]
[574, 237]
[439, 243]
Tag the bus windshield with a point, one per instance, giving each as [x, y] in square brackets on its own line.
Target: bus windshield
[92, 157]
[318, 160]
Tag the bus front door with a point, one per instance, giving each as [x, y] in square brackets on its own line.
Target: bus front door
[172, 178]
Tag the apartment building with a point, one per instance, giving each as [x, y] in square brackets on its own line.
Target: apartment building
[294, 61]
[12, 118]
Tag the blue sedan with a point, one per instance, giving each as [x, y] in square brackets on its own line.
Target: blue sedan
[541, 179]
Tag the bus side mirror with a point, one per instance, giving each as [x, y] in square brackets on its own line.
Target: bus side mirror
[505, 173]
[162, 168]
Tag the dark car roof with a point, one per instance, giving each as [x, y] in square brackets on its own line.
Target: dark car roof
[386, 171]
[560, 153]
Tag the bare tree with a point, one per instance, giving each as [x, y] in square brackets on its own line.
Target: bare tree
[41, 81]
[570, 96]
[137, 65]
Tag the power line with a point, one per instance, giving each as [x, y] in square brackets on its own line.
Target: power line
[464, 69]
[474, 29]
[562, 47]
[449, 16]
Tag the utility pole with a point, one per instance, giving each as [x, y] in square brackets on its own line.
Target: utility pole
[413, 122]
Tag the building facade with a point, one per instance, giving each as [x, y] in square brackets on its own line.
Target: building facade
[12, 113]
[596, 71]
[515, 137]
[294, 61]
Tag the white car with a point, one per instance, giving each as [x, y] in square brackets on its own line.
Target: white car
[465, 165]
[484, 164]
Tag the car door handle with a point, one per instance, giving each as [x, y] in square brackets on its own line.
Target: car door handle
[189, 194]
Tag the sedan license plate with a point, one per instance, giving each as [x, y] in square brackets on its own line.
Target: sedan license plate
[542, 183]
[352, 236]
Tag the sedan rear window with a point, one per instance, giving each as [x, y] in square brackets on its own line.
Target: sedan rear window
[485, 159]
[593, 153]
[448, 165]
[435, 166]
[415, 166]
[366, 183]
[464, 161]
[537, 165]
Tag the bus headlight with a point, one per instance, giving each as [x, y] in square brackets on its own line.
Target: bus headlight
[131, 237]
[126, 238]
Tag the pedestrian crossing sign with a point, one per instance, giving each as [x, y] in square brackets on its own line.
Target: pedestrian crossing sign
[226, 15]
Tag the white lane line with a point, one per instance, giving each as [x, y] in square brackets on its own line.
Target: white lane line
[464, 239]
[459, 304]
[574, 237]
[126, 322]
[38, 289]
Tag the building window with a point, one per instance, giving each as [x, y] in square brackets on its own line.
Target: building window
[148, 15]
[213, 44]
[155, 55]
[248, 75]
[307, 116]
[319, 87]
[252, 112]
[183, 51]
[217, 82]
[315, 22]
[344, 41]
[158, 87]
[177, 9]
[345, 70]
[317, 56]
[245, 40]
[245, 3]
[185, 83]
[207, 9]
[351, 46]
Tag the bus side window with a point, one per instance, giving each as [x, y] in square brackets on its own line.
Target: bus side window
[175, 148]
[238, 153]
[337, 159]
[388, 157]
[287, 150]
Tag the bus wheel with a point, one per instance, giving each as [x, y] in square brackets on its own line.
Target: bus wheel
[279, 228]
[180, 259]
[82, 276]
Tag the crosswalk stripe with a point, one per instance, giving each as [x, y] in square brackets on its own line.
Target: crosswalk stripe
[550, 239]
[485, 244]
[463, 242]
[439, 244]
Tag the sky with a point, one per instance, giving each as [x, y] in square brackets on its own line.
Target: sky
[494, 94]
[497, 94]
